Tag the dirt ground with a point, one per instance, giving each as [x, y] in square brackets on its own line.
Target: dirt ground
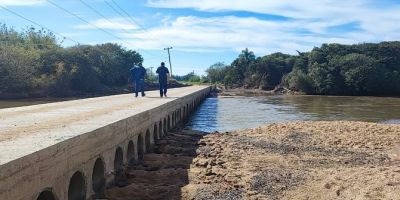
[299, 160]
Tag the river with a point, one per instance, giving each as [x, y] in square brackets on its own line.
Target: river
[235, 113]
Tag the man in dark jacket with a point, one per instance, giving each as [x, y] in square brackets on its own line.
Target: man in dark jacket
[163, 73]
[138, 73]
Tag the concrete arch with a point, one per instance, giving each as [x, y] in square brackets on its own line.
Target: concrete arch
[77, 187]
[147, 141]
[46, 194]
[176, 118]
[165, 126]
[140, 146]
[119, 160]
[169, 123]
[180, 115]
[155, 132]
[184, 114]
[130, 154]
[160, 129]
[171, 115]
[173, 119]
[98, 179]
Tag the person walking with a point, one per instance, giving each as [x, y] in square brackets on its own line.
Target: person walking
[163, 74]
[138, 73]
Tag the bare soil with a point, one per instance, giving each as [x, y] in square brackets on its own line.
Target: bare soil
[299, 160]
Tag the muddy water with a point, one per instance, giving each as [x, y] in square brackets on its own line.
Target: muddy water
[233, 113]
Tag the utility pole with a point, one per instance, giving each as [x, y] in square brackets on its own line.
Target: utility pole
[150, 75]
[169, 57]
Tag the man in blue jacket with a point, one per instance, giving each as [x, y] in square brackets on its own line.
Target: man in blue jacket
[163, 73]
[138, 73]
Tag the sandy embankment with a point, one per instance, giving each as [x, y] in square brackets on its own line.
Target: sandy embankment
[299, 160]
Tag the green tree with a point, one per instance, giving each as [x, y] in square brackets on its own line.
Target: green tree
[216, 72]
[362, 74]
[240, 65]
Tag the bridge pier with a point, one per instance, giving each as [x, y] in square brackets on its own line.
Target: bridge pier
[83, 157]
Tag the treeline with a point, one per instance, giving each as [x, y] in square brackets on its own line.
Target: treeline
[33, 63]
[190, 77]
[332, 69]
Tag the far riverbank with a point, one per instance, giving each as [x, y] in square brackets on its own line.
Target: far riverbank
[239, 91]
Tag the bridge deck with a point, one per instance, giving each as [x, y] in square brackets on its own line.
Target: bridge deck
[25, 130]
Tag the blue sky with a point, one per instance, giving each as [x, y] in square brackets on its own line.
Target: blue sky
[203, 32]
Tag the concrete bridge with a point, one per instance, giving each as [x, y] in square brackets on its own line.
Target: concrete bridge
[74, 149]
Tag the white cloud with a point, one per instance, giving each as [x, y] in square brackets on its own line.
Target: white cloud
[308, 24]
[198, 34]
[21, 2]
[288, 8]
[112, 23]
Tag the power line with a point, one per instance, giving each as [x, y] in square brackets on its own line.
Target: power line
[115, 10]
[37, 24]
[104, 17]
[131, 19]
[44, 27]
[101, 15]
[144, 30]
[84, 20]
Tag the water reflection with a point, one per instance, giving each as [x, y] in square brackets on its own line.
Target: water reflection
[227, 114]
[205, 118]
